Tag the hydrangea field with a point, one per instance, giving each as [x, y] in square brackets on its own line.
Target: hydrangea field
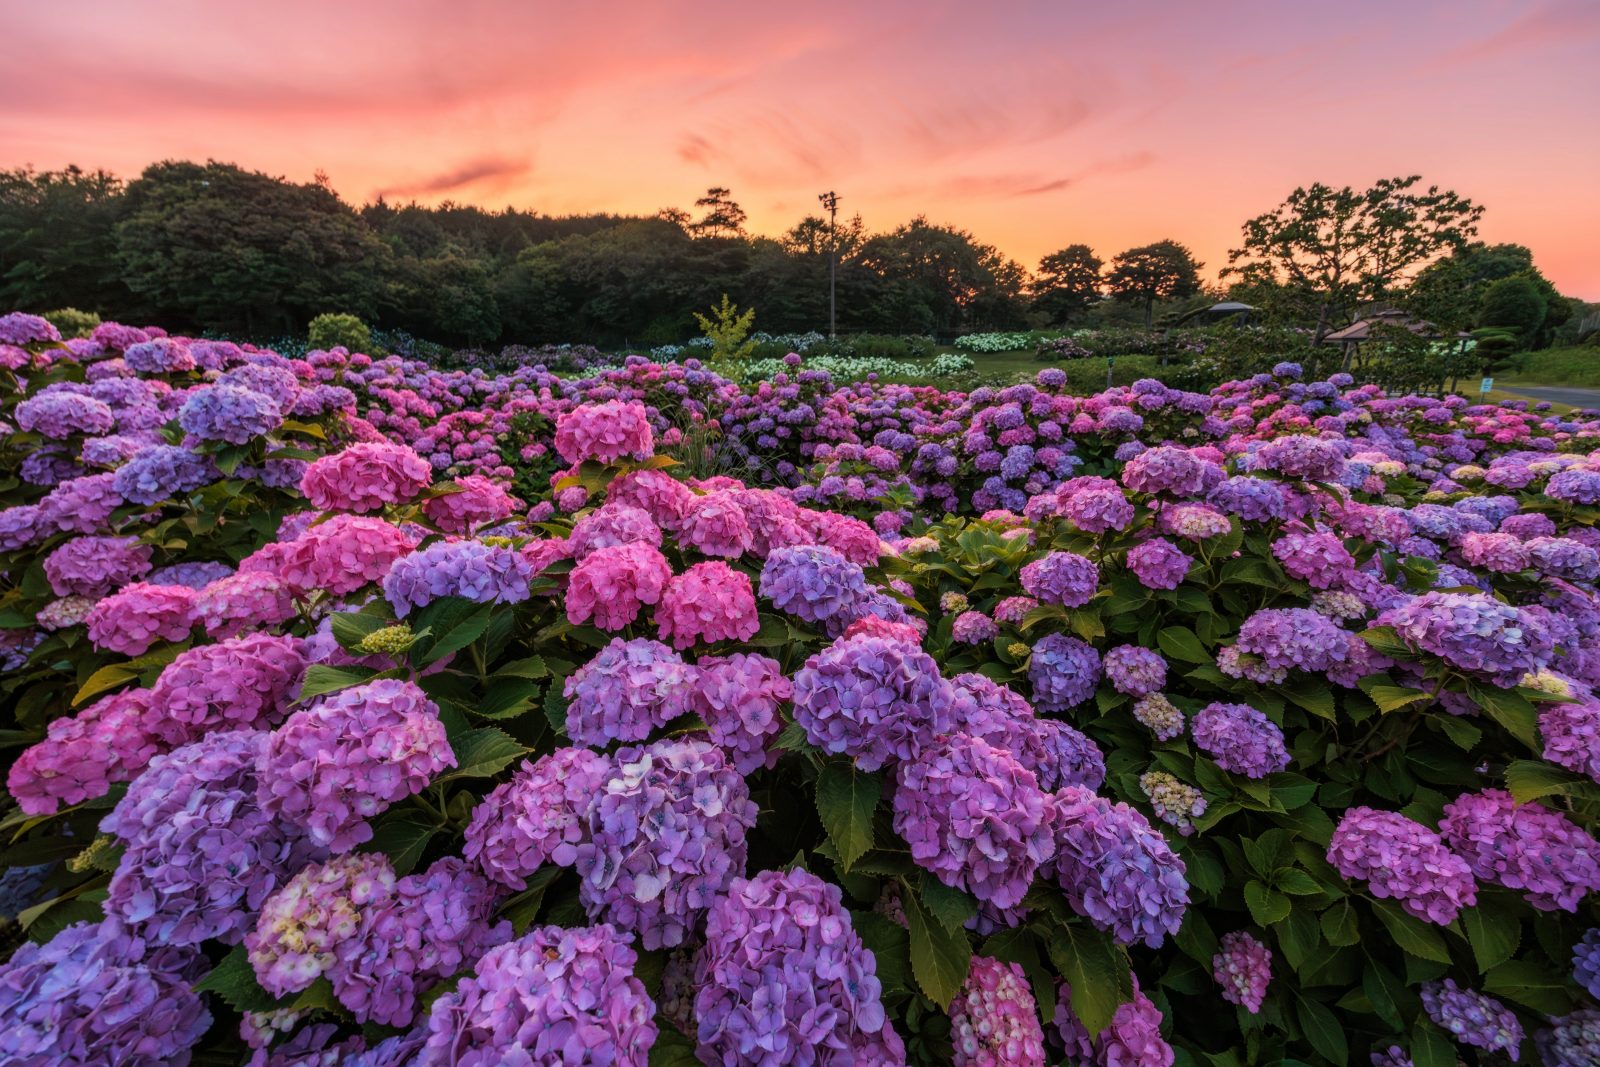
[363, 713]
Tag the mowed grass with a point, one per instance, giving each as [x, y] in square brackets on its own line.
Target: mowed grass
[1575, 365]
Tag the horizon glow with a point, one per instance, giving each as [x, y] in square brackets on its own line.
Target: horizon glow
[1032, 125]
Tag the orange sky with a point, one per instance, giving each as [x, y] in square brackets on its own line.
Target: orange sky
[1032, 124]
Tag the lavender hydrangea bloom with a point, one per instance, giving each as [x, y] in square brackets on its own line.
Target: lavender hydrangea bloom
[97, 993]
[813, 583]
[613, 524]
[1241, 739]
[1134, 670]
[1061, 578]
[784, 972]
[1175, 802]
[303, 924]
[229, 413]
[1528, 847]
[1117, 870]
[539, 816]
[1403, 860]
[1572, 1040]
[471, 570]
[1063, 671]
[1473, 1018]
[61, 415]
[975, 817]
[553, 996]
[1285, 639]
[1474, 632]
[629, 689]
[429, 928]
[1057, 753]
[1158, 563]
[738, 696]
[874, 699]
[200, 855]
[665, 839]
[158, 472]
[1586, 962]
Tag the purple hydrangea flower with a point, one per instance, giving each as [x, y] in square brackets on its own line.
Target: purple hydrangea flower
[1403, 860]
[738, 696]
[539, 816]
[813, 583]
[1061, 578]
[1572, 1040]
[783, 971]
[229, 413]
[1117, 870]
[994, 1022]
[1473, 1018]
[1158, 563]
[975, 817]
[1527, 847]
[625, 692]
[334, 765]
[874, 699]
[1241, 739]
[1134, 670]
[665, 839]
[471, 570]
[1243, 968]
[1063, 671]
[1474, 632]
[158, 472]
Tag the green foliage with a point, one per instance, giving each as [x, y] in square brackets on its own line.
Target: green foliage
[73, 323]
[1067, 283]
[1514, 304]
[333, 329]
[1159, 271]
[728, 330]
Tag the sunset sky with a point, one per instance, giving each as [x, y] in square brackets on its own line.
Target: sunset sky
[1034, 125]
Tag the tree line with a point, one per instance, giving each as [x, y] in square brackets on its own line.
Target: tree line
[214, 247]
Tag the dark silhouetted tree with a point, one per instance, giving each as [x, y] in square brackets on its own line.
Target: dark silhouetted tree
[1165, 270]
[723, 216]
[1067, 283]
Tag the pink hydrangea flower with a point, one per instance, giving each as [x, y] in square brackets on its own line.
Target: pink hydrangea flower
[136, 617]
[479, 502]
[605, 432]
[709, 602]
[614, 583]
[366, 477]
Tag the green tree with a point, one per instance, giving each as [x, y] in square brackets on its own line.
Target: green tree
[71, 322]
[1514, 304]
[56, 244]
[1340, 247]
[723, 216]
[217, 247]
[332, 329]
[728, 329]
[1164, 270]
[923, 278]
[1067, 283]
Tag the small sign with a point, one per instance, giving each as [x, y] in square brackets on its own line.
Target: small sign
[1486, 385]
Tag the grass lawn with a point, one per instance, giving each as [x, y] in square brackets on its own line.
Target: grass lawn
[1577, 365]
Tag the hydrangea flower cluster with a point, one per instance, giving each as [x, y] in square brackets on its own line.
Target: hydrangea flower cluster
[539, 816]
[334, 765]
[994, 1022]
[1159, 715]
[783, 971]
[82, 755]
[1176, 803]
[229, 413]
[94, 566]
[625, 692]
[1476, 633]
[99, 993]
[1134, 670]
[302, 925]
[613, 524]
[1133, 1039]
[975, 817]
[1473, 1018]
[1571, 1041]
[1158, 563]
[555, 995]
[1118, 871]
[739, 696]
[138, 616]
[200, 854]
[1403, 860]
[242, 682]
[1061, 578]
[471, 570]
[1063, 672]
[665, 839]
[709, 602]
[874, 699]
[1241, 739]
[1319, 559]
[1527, 847]
[342, 555]
[475, 501]
[1243, 969]
[814, 583]
[612, 584]
[366, 477]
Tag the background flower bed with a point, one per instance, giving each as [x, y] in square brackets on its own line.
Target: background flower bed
[1245, 726]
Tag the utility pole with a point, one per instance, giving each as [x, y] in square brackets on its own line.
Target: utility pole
[830, 200]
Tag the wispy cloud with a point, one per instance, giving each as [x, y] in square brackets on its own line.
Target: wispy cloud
[486, 170]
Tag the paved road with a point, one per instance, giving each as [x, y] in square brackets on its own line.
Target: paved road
[1578, 398]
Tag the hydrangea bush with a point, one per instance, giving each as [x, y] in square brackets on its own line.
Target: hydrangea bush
[363, 712]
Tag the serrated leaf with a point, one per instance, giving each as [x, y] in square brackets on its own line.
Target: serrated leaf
[506, 698]
[1097, 971]
[1266, 905]
[1431, 1047]
[321, 679]
[350, 628]
[1322, 1030]
[104, 679]
[1529, 984]
[453, 623]
[1412, 934]
[939, 959]
[846, 799]
[1531, 779]
[890, 944]
[555, 706]
[234, 980]
[483, 753]
[533, 667]
[1180, 643]
[1394, 697]
[951, 907]
[1493, 935]
[403, 838]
